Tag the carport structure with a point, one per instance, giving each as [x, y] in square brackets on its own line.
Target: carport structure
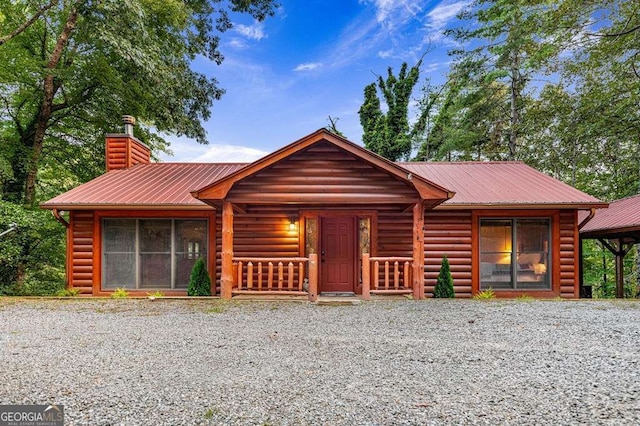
[618, 229]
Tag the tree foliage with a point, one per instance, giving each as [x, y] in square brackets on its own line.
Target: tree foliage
[70, 73]
[31, 257]
[389, 133]
[444, 284]
[199, 281]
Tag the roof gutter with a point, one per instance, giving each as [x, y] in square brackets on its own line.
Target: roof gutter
[56, 214]
[586, 220]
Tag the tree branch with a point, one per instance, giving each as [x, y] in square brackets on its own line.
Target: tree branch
[27, 24]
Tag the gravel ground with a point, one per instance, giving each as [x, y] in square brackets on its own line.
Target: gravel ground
[175, 362]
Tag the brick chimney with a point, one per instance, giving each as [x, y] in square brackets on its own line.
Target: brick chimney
[123, 150]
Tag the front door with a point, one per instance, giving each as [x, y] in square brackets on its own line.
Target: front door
[338, 254]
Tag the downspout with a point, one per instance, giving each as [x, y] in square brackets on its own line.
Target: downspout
[59, 218]
[586, 220]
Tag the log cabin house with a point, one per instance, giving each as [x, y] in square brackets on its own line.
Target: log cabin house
[320, 216]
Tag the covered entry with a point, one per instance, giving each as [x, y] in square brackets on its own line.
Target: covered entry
[306, 219]
[618, 229]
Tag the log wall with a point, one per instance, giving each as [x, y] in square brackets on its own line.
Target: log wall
[569, 253]
[448, 232]
[321, 175]
[80, 265]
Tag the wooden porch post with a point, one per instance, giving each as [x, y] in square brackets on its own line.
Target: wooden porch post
[313, 277]
[226, 276]
[418, 250]
[620, 270]
[366, 276]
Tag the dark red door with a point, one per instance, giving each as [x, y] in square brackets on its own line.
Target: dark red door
[338, 254]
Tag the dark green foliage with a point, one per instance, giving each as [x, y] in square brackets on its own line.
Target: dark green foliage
[390, 134]
[31, 257]
[444, 285]
[199, 282]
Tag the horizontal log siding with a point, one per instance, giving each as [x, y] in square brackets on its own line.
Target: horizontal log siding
[568, 254]
[123, 152]
[80, 261]
[259, 233]
[138, 153]
[321, 175]
[448, 232]
[116, 153]
[395, 231]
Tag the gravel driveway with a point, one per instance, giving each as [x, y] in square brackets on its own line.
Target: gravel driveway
[174, 362]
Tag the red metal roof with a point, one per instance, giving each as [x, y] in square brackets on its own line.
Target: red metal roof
[490, 184]
[155, 184]
[500, 184]
[623, 214]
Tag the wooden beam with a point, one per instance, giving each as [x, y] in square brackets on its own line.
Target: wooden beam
[620, 271]
[366, 276]
[313, 277]
[226, 278]
[418, 251]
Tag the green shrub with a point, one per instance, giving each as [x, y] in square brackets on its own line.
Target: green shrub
[199, 282]
[119, 293]
[485, 295]
[68, 292]
[155, 295]
[444, 285]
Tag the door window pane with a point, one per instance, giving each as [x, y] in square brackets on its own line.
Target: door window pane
[191, 244]
[533, 254]
[495, 254]
[119, 253]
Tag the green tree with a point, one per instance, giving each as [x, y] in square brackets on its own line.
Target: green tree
[31, 257]
[504, 44]
[390, 134]
[444, 284]
[71, 68]
[199, 281]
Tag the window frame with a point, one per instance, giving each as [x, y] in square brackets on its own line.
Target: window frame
[514, 267]
[173, 253]
[543, 212]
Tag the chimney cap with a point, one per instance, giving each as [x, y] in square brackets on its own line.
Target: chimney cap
[129, 119]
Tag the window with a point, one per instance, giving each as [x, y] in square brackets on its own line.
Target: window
[151, 253]
[514, 254]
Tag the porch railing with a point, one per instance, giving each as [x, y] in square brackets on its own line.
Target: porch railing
[276, 276]
[386, 275]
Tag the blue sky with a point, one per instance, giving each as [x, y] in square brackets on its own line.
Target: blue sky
[285, 76]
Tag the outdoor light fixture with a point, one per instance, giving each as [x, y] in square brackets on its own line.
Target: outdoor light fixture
[292, 224]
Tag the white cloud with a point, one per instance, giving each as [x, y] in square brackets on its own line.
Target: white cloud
[441, 15]
[238, 43]
[229, 154]
[309, 66]
[189, 151]
[439, 18]
[391, 11]
[254, 31]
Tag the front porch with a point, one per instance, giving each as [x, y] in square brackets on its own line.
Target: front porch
[321, 215]
[298, 276]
